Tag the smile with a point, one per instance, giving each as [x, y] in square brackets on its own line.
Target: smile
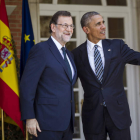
[103, 32]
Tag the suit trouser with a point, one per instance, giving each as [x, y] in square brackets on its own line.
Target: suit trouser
[110, 129]
[55, 135]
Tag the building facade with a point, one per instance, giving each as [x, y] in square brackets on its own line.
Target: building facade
[122, 19]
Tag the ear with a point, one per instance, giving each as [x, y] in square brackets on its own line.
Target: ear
[86, 29]
[53, 27]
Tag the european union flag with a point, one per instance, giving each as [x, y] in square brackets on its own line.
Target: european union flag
[27, 39]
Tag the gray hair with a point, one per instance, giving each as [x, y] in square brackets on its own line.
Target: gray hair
[86, 18]
[56, 16]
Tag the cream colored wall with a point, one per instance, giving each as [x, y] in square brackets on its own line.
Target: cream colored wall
[138, 33]
[134, 102]
[138, 20]
[34, 10]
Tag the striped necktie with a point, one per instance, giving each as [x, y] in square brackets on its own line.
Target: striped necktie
[98, 64]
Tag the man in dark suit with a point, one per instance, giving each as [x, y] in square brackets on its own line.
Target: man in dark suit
[46, 88]
[100, 64]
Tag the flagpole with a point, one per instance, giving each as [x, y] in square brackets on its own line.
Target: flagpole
[26, 134]
[2, 123]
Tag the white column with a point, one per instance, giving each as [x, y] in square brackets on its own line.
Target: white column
[134, 99]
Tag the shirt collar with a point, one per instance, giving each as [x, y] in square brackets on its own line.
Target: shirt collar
[58, 45]
[91, 44]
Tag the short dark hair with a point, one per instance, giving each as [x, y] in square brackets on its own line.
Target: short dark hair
[56, 16]
[86, 18]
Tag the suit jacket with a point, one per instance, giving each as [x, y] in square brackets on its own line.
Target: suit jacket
[116, 54]
[46, 91]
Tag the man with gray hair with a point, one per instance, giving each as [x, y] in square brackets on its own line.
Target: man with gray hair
[46, 88]
[100, 64]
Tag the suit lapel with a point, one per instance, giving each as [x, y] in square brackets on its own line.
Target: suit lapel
[107, 55]
[84, 58]
[74, 67]
[57, 55]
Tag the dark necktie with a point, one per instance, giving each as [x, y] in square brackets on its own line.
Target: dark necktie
[98, 64]
[67, 63]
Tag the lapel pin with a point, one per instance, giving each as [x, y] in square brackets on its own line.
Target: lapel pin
[109, 50]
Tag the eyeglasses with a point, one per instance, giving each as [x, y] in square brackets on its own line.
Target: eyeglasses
[65, 26]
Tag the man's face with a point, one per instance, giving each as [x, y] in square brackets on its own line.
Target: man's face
[61, 34]
[96, 29]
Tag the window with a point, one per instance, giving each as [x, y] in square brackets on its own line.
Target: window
[85, 2]
[117, 2]
[45, 1]
[116, 27]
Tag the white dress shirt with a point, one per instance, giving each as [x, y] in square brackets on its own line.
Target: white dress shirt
[90, 52]
[59, 46]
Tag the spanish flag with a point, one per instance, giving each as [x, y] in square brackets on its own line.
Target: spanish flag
[9, 90]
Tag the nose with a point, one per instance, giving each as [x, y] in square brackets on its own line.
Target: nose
[103, 26]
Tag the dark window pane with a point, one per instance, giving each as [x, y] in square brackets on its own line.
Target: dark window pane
[74, 31]
[45, 1]
[126, 93]
[76, 100]
[85, 2]
[116, 27]
[124, 78]
[76, 84]
[117, 2]
[76, 128]
[44, 26]
[71, 45]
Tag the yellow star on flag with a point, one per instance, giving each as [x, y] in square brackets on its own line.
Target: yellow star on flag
[34, 41]
[26, 38]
